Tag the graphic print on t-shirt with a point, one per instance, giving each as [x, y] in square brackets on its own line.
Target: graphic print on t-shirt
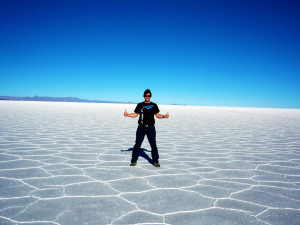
[147, 107]
[142, 112]
[142, 115]
[147, 112]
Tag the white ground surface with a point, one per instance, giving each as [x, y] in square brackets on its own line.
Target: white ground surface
[68, 163]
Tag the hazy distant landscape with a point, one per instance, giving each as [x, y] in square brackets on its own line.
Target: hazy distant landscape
[57, 99]
[63, 99]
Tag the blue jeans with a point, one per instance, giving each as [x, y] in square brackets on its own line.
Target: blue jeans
[151, 135]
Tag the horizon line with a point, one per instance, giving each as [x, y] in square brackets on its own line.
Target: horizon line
[79, 100]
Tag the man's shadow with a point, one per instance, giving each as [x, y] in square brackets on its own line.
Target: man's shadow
[142, 153]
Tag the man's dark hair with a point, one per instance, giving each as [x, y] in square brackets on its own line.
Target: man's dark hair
[148, 91]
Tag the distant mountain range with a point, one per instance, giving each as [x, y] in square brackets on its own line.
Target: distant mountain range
[58, 99]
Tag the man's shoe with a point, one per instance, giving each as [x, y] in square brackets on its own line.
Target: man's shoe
[132, 163]
[156, 164]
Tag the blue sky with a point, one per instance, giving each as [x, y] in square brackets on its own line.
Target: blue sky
[210, 53]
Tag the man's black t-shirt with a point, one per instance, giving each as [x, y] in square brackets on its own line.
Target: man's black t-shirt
[147, 112]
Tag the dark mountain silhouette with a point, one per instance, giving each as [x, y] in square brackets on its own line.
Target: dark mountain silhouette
[58, 99]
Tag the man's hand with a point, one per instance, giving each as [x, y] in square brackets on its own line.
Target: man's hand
[159, 116]
[125, 113]
[167, 115]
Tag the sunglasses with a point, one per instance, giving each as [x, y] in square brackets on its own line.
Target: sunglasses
[147, 96]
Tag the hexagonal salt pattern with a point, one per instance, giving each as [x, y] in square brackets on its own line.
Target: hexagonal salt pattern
[68, 163]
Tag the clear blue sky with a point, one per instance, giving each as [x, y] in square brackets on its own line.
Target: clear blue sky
[211, 53]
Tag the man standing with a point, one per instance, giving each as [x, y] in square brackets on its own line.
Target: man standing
[146, 122]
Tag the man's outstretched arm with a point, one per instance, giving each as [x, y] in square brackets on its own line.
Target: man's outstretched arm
[162, 116]
[132, 115]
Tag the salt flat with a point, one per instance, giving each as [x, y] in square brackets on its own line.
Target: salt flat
[68, 163]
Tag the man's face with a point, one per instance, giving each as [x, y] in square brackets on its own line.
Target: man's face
[147, 97]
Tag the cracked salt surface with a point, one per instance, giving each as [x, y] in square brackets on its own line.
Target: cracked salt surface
[68, 163]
